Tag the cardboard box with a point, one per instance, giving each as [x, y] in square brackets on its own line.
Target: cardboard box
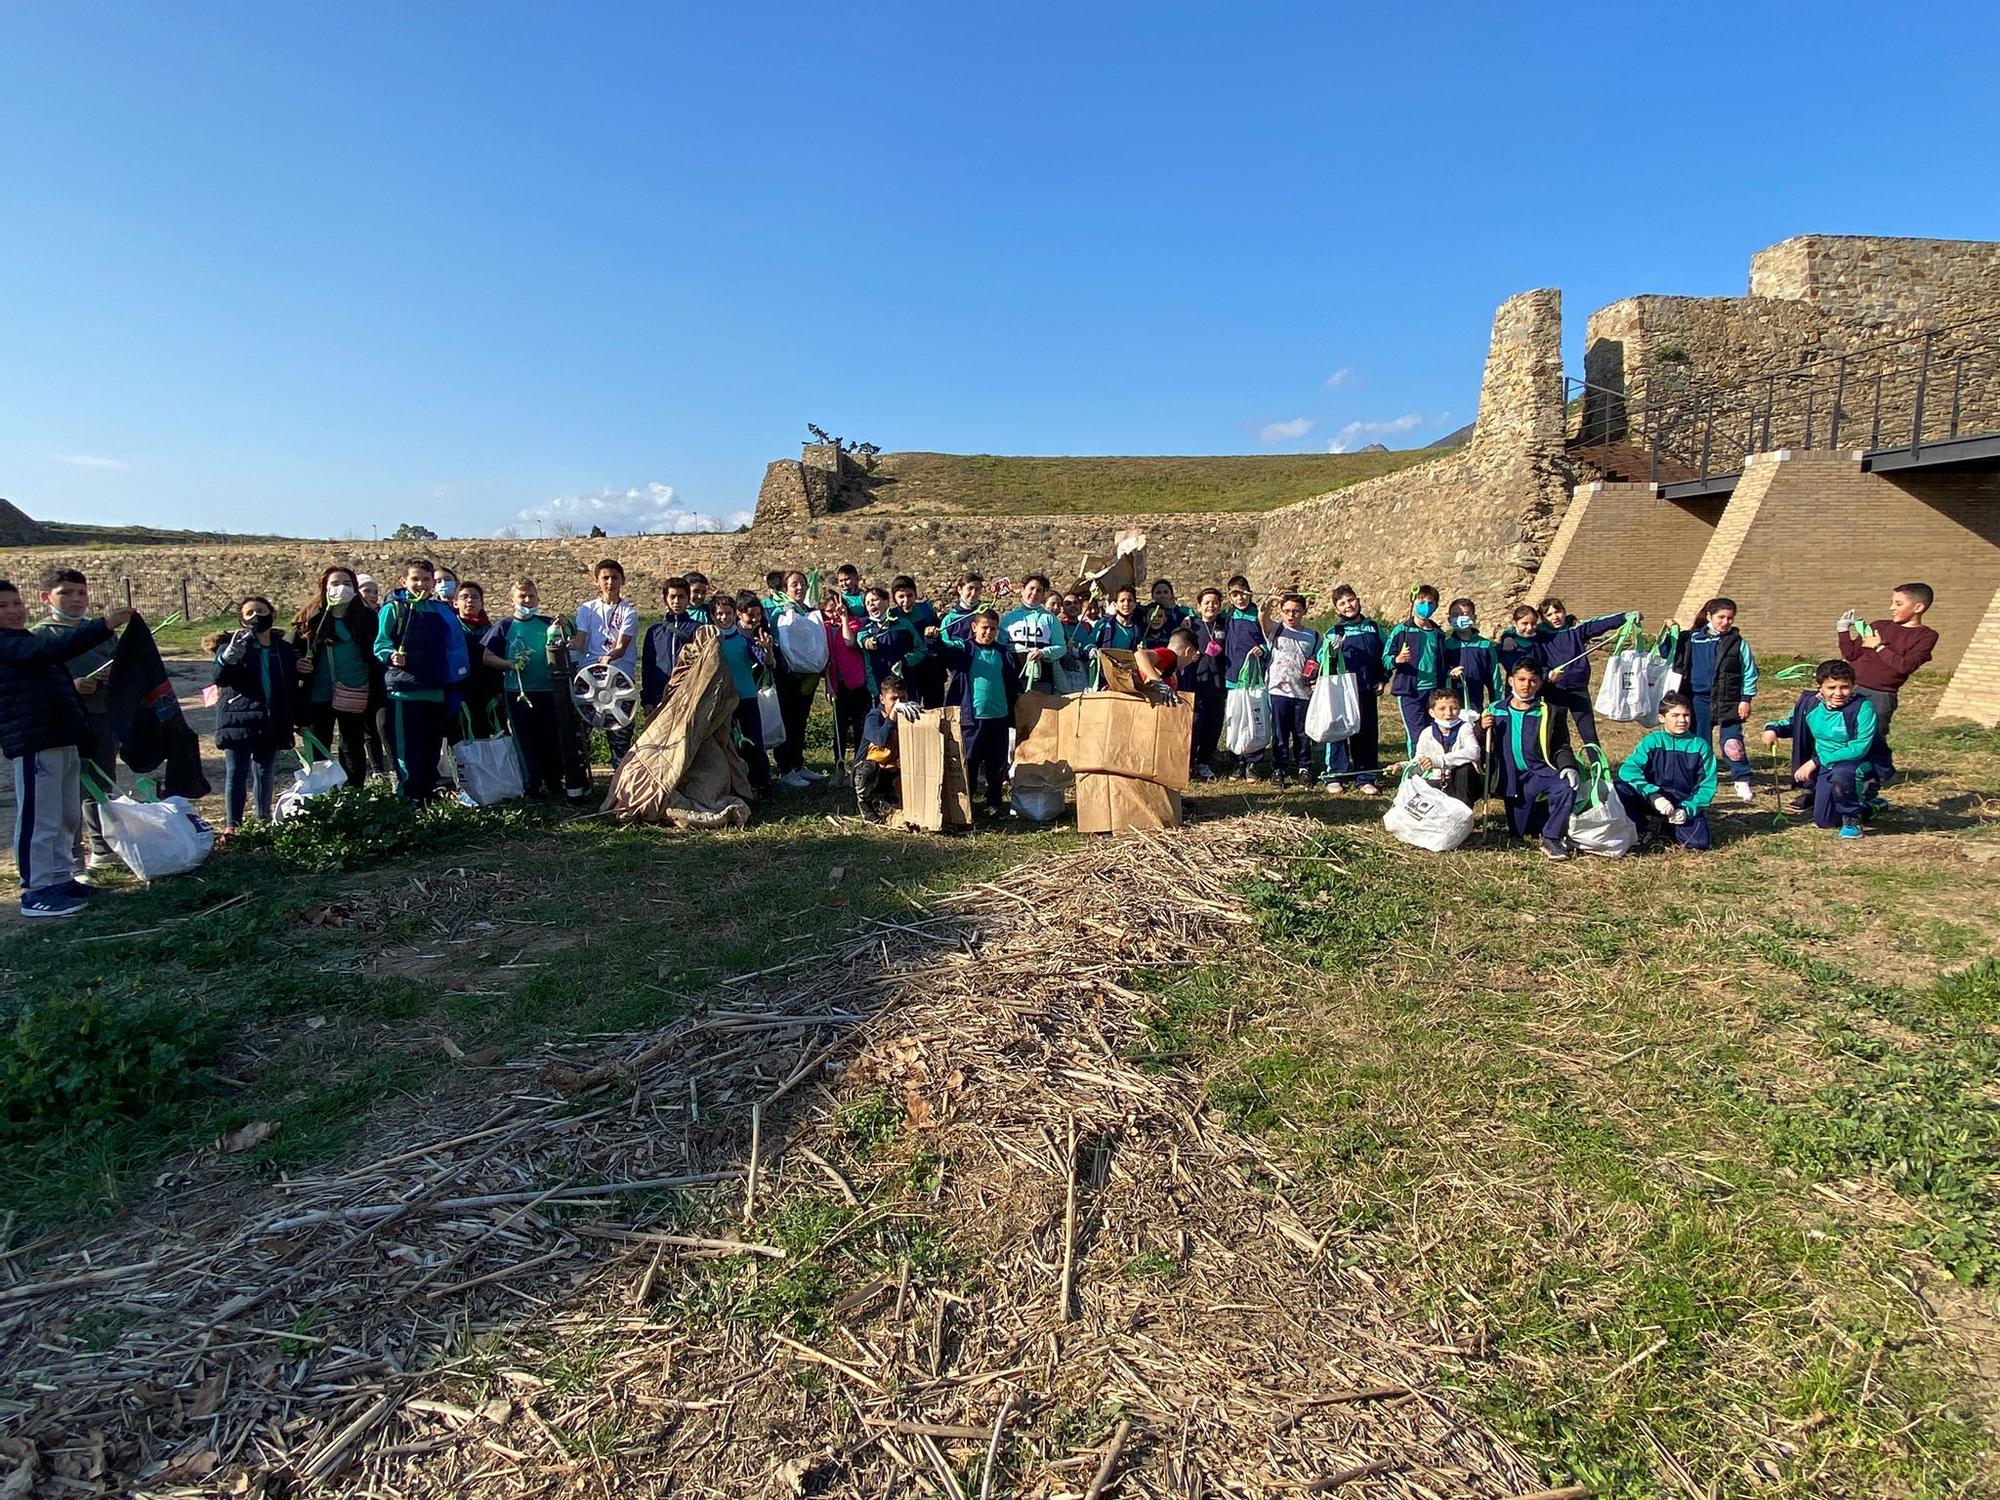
[1117, 735]
[1115, 804]
[931, 748]
[1114, 734]
[1041, 722]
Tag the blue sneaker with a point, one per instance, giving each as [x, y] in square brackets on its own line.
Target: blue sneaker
[1850, 828]
[50, 901]
[75, 888]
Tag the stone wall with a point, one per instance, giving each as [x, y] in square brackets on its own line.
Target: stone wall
[935, 549]
[1812, 300]
[1471, 521]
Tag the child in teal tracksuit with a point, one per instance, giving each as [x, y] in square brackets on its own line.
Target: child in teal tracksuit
[1831, 731]
[1414, 658]
[1538, 771]
[1668, 780]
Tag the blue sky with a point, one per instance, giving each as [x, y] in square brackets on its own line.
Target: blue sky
[314, 269]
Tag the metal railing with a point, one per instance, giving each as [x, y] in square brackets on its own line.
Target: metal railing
[1935, 385]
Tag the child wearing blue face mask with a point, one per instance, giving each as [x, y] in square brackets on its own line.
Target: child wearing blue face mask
[1414, 656]
[742, 656]
[1469, 658]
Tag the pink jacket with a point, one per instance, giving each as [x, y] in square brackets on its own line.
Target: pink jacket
[846, 667]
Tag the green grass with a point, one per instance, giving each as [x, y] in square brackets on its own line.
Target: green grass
[120, 1053]
[1568, 1115]
[988, 484]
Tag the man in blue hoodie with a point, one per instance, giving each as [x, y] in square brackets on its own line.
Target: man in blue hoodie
[421, 645]
[43, 730]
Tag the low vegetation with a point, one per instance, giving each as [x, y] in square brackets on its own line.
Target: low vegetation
[982, 483]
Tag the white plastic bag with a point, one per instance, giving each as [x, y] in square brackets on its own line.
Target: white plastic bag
[318, 774]
[768, 714]
[1600, 825]
[489, 771]
[1335, 711]
[1635, 679]
[1246, 716]
[1038, 793]
[1427, 817]
[156, 839]
[802, 641]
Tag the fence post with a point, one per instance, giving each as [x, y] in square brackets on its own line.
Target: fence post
[1839, 393]
[128, 593]
[1957, 390]
[187, 613]
[1923, 386]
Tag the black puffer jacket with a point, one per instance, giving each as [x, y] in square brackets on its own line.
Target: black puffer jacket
[39, 706]
[258, 686]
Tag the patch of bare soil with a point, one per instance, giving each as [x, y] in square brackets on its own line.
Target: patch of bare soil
[895, 1218]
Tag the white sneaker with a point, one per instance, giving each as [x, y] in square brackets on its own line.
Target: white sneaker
[796, 780]
[815, 777]
[1745, 792]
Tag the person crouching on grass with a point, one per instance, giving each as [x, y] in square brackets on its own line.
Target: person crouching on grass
[1668, 780]
[1447, 753]
[1538, 774]
[878, 767]
[1833, 734]
[989, 684]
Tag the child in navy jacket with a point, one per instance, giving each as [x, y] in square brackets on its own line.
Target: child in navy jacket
[1207, 678]
[1243, 641]
[1668, 780]
[989, 685]
[1565, 640]
[1719, 675]
[1538, 774]
[1469, 658]
[1357, 641]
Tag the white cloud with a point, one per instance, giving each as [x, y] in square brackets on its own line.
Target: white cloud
[649, 508]
[1344, 376]
[1285, 432]
[1353, 432]
[91, 461]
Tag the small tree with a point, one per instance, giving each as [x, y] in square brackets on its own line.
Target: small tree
[407, 532]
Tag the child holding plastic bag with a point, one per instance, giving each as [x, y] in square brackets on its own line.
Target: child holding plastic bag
[1565, 650]
[1668, 780]
[1531, 751]
[1448, 754]
[1713, 665]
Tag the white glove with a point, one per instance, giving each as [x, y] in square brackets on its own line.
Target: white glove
[1574, 781]
[1663, 806]
[911, 711]
[1846, 623]
[1680, 816]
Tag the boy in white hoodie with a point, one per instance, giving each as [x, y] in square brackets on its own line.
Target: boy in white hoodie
[1447, 750]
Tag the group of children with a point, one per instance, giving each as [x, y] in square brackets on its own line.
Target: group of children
[393, 679]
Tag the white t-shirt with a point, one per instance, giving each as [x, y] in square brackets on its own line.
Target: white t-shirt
[599, 624]
[1290, 651]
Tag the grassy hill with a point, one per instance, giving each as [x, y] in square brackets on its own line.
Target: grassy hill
[76, 534]
[984, 482]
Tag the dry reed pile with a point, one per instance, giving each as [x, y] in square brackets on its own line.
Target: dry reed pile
[1045, 1270]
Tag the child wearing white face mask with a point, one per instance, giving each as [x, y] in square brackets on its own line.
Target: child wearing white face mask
[333, 635]
[1447, 751]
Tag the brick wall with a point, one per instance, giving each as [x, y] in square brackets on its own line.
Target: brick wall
[1808, 535]
[1974, 690]
[1620, 547]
